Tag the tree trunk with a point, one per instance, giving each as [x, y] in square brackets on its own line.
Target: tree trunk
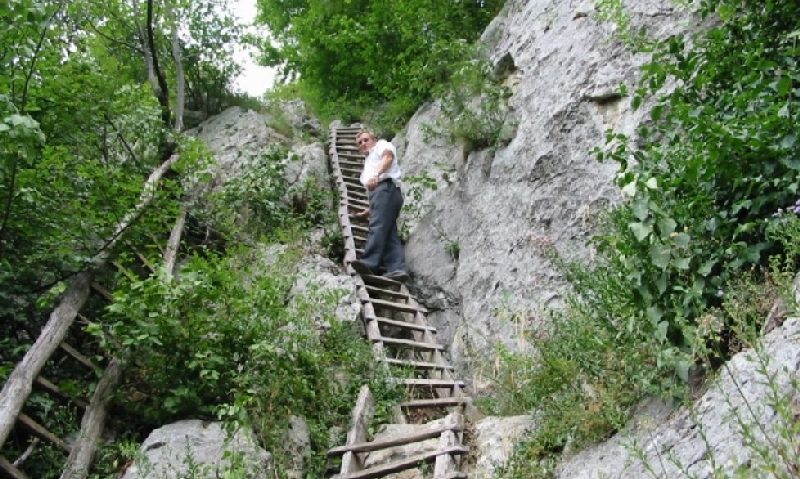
[171, 253]
[148, 193]
[82, 453]
[180, 77]
[148, 56]
[20, 383]
[163, 93]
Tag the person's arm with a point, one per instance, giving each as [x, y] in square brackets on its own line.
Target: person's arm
[386, 163]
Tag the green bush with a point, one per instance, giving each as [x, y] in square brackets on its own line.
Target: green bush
[474, 105]
[224, 339]
[353, 55]
[679, 269]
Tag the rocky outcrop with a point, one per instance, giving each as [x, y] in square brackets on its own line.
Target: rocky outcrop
[495, 441]
[198, 449]
[237, 135]
[745, 423]
[476, 241]
[320, 280]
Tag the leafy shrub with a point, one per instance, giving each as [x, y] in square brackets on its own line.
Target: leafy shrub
[374, 51]
[224, 339]
[474, 105]
[709, 170]
[718, 159]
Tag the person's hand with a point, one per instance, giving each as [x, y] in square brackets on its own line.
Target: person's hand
[372, 183]
[362, 214]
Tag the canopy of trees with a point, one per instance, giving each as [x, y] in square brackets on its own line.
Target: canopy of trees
[364, 52]
[85, 115]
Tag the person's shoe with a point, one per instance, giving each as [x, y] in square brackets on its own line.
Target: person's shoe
[361, 267]
[401, 276]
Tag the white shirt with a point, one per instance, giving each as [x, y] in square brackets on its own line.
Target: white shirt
[372, 163]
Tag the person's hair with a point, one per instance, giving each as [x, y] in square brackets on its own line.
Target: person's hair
[368, 132]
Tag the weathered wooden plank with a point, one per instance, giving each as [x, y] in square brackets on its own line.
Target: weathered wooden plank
[416, 364]
[445, 464]
[404, 324]
[12, 470]
[388, 292]
[144, 260]
[42, 432]
[434, 383]
[103, 292]
[53, 389]
[360, 420]
[392, 441]
[82, 453]
[171, 251]
[20, 382]
[436, 402]
[412, 461]
[410, 343]
[404, 307]
[77, 356]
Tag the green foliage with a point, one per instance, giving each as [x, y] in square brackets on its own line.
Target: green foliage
[226, 339]
[254, 198]
[474, 105]
[352, 55]
[718, 159]
[703, 183]
[581, 381]
[259, 201]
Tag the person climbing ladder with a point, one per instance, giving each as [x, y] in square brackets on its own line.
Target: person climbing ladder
[381, 176]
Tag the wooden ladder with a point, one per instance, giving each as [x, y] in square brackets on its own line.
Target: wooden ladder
[396, 325]
[28, 372]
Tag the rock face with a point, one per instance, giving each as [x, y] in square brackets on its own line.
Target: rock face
[319, 279]
[495, 439]
[735, 427]
[475, 245]
[236, 135]
[199, 450]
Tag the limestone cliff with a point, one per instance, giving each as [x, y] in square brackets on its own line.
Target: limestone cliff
[497, 209]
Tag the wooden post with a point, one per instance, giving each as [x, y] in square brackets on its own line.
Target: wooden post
[362, 416]
[445, 465]
[82, 453]
[171, 252]
[20, 383]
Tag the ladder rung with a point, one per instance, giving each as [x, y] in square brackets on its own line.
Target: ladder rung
[52, 388]
[405, 324]
[413, 461]
[410, 343]
[11, 469]
[405, 307]
[42, 432]
[388, 292]
[434, 383]
[374, 280]
[436, 402]
[391, 442]
[78, 356]
[417, 364]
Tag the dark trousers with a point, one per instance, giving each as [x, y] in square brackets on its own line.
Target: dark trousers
[383, 246]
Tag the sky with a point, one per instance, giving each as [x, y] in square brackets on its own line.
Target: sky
[254, 79]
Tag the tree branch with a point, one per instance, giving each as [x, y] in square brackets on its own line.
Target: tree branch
[122, 139]
[36, 51]
[163, 94]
